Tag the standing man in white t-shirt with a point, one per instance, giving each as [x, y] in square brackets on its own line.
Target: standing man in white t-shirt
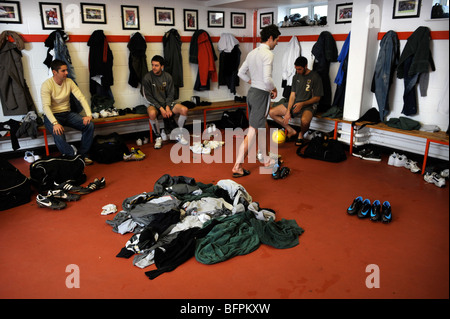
[257, 71]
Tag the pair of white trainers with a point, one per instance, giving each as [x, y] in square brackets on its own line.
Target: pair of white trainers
[109, 112]
[435, 178]
[30, 157]
[400, 160]
[141, 141]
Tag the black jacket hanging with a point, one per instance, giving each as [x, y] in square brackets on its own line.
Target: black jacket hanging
[137, 60]
[173, 59]
[229, 67]
[100, 63]
[325, 52]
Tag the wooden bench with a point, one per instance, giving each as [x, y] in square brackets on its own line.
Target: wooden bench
[430, 137]
[212, 107]
[135, 117]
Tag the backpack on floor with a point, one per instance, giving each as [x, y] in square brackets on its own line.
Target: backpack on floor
[15, 188]
[234, 119]
[44, 173]
[108, 149]
[324, 149]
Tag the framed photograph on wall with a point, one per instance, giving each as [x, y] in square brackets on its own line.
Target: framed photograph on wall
[344, 13]
[216, 19]
[238, 20]
[51, 15]
[10, 12]
[93, 13]
[265, 19]
[406, 9]
[164, 16]
[130, 17]
[190, 20]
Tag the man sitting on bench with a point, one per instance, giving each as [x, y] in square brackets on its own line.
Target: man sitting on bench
[306, 92]
[159, 92]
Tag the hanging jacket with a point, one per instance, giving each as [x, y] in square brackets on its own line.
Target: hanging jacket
[415, 62]
[229, 61]
[56, 42]
[341, 77]
[342, 56]
[206, 60]
[193, 48]
[14, 92]
[417, 46]
[100, 62]
[325, 52]
[173, 58]
[292, 52]
[384, 71]
[137, 60]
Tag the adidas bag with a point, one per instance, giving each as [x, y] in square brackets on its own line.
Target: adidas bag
[108, 149]
[323, 149]
[44, 173]
[15, 188]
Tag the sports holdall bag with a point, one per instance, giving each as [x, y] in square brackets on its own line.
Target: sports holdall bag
[109, 148]
[15, 188]
[234, 119]
[324, 149]
[44, 173]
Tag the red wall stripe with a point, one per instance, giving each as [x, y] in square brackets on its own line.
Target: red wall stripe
[435, 35]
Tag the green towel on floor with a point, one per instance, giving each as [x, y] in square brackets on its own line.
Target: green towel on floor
[242, 233]
[232, 236]
[280, 234]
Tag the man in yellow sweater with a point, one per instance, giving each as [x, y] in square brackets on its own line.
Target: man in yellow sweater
[55, 94]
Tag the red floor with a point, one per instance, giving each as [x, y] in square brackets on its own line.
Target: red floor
[411, 253]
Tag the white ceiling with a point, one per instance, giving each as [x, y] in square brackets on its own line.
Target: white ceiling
[251, 4]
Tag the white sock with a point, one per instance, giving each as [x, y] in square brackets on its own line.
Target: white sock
[181, 120]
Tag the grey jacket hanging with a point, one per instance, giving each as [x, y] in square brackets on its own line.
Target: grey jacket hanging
[14, 92]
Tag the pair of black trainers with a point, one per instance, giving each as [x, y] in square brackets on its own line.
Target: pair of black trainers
[66, 192]
[279, 171]
[56, 199]
[375, 211]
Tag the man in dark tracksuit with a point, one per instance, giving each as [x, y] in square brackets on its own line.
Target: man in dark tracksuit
[159, 92]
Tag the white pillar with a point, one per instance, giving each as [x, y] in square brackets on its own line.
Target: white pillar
[362, 57]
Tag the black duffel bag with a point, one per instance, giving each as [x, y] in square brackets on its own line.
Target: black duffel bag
[15, 188]
[44, 173]
[234, 119]
[109, 148]
[323, 148]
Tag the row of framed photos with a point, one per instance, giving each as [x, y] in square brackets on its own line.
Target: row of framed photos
[402, 9]
[52, 17]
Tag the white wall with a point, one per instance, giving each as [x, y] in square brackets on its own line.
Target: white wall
[126, 96]
[438, 92]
